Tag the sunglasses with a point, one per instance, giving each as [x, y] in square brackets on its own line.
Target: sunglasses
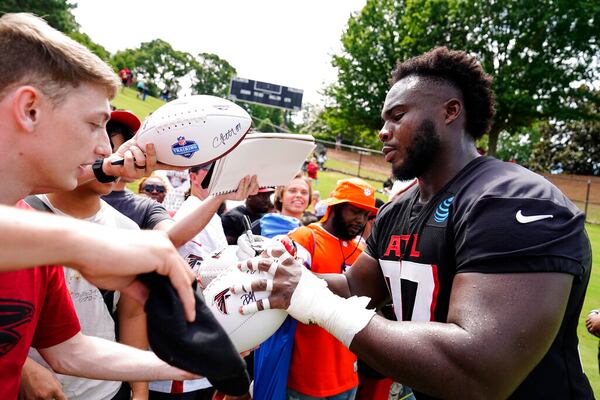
[152, 188]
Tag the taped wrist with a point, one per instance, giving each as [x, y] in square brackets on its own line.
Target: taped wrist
[313, 303]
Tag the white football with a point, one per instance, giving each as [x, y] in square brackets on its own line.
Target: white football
[194, 130]
[245, 331]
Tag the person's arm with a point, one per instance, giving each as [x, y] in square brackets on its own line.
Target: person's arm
[499, 327]
[132, 332]
[96, 358]
[486, 348]
[34, 238]
[38, 382]
[184, 230]
[364, 278]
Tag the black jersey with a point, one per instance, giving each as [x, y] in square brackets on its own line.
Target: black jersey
[492, 217]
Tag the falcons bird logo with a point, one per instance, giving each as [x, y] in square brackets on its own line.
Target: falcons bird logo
[220, 300]
[13, 314]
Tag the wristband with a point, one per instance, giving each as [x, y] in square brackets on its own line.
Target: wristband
[313, 303]
[99, 173]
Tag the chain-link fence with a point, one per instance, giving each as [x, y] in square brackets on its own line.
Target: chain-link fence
[352, 160]
[584, 191]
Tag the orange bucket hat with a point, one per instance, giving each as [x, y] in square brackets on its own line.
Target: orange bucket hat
[354, 191]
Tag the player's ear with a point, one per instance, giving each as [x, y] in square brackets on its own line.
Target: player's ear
[453, 110]
[26, 107]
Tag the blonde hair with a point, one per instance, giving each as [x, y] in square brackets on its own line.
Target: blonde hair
[278, 197]
[33, 53]
[142, 182]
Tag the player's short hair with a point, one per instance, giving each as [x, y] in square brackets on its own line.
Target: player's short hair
[463, 72]
[278, 196]
[33, 53]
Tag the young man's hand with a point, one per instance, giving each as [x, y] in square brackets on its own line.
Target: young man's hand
[38, 382]
[134, 162]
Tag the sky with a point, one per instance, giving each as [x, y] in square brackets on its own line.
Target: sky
[286, 42]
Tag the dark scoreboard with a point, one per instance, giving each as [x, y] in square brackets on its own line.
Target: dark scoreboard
[267, 94]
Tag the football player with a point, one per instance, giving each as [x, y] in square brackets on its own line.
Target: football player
[486, 263]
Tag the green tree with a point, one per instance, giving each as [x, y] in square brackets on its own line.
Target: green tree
[211, 75]
[56, 12]
[157, 63]
[572, 147]
[533, 49]
[518, 147]
[267, 119]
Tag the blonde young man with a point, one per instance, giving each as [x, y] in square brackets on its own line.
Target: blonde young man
[54, 104]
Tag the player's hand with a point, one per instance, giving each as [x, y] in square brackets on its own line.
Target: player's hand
[592, 323]
[248, 186]
[286, 273]
[38, 382]
[114, 259]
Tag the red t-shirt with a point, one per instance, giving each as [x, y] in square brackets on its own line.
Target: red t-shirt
[311, 170]
[35, 310]
[321, 365]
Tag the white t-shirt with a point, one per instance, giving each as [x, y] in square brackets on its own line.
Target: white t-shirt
[91, 310]
[212, 237]
[178, 185]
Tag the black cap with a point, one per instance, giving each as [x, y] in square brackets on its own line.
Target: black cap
[202, 347]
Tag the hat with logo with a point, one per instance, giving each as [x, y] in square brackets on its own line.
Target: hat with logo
[354, 191]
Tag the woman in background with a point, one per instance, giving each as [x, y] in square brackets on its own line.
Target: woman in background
[291, 202]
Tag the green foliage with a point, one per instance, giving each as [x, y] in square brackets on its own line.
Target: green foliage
[85, 40]
[518, 147]
[269, 119]
[572, 148]
[56, 12]
[533, 49]
[157, 63]
[212, 75]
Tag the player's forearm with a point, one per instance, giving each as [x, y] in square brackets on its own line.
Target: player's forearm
[426, 355]
[185, 229]
[96, 358]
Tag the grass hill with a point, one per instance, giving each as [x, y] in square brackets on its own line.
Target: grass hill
[127, 99]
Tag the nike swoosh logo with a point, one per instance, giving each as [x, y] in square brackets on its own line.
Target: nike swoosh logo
[525, 219]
